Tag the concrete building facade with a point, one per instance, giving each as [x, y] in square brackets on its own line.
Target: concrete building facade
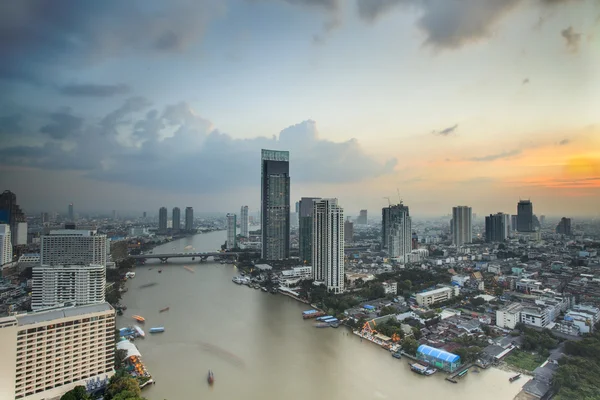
[328, 244]
[6, 250]
[462, 225]
[436, 296]
[176, 224]
[275, 204]
[305, 229]
[73, 247]
[231, 231]
[162, 219]
[244, 222]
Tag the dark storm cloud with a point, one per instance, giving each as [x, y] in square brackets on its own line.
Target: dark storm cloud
[92, 90]
[572, 38]
[11, 124]
[37, 35]
[497, 156]
[179, 150]
[445, 132]
[63, 125]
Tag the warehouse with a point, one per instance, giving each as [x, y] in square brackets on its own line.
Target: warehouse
[438, 358]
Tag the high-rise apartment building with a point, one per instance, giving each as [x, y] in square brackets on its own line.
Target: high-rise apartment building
[542, 220]
[328, 244]
[348, 231]
[176, 219]
[495, 228]
[564, 226]
[11, 214]
[525, 216]
[59, 284]
[362, 218]
[305, 229]
[462, 225]
[513, 222]
[46, 354]
[231, 231]
[396, 231]
[244, 222]
[162, 219]
[6, 250]
[73, 247]
[189, 219]
[275, 204]
[71, 212]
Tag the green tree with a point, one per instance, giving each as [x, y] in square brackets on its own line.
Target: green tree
[120, 355]
[122, 382]
[410, 346]
[387, 310]
[77, 393]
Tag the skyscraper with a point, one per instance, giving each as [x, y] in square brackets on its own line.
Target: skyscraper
[362, 218]
[495, 228]
[176, 219]
[162, 219]
[244, 222]
[11, 213]
[525, 216]
[348, 231]
[189, 219]
[305, 230]
[6, 250]
[328, 244]
[71, 212]
[73, 247]
[396, 230]
[513, 222]
[462, 226]
[564, 227]
[231, 231]
[275, 204]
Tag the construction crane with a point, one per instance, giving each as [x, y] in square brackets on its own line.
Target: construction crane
[399, 198]
[389, 201]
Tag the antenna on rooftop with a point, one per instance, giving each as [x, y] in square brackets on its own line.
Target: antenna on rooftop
[399, 199]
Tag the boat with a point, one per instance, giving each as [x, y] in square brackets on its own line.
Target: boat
[514, 378]
[264, 289]
[138, 318]
[397, 354]
[160, 271]
[462, 373]
[274, 290]
[119, 312]
[421, 369]
[335, 324]
[158, 329]
[321, 325]
[164, 309]
[211, 377]
[140, 331]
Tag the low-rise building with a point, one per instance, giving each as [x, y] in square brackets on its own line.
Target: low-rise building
[509, 316]
[436, 295]
[390, 287]
[535, 316]
[297, 272]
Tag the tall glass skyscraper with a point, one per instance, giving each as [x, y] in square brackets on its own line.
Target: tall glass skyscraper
[462, 226]
[525, 216]
[396, 232]
[305, 229]
[275, 204]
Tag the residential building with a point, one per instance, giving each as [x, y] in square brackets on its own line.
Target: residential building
[362, 218]
[509, 316]
[297, 273]
[10, 213]
[6, 250]
[73, 247]
[436, 295]
[328, 244]
[495, 228]
[527, 285]
[438, 358]
[20, 236]
[71, 213]
[189, 219]
[305, 229]
[244, 223]
[60, 284]
[390, 287]
[535, 316]
[564, 227]
[396, 231]
[176, 224]
[348, 231]
[231, 231]
[162, 219]
[513, 223]
[460, 280]
[462, 225]
[592, 311]
[46, 354]
[525, 216]
[275, 204]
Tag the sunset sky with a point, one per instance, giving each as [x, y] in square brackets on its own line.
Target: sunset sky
[139, 104]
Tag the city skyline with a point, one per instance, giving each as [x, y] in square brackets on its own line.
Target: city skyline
[149, 117]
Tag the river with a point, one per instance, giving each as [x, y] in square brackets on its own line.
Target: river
[259, 347]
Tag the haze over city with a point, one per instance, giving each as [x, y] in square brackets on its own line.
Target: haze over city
[111, 105]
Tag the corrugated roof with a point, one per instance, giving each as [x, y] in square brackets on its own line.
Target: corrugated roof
[437, 353]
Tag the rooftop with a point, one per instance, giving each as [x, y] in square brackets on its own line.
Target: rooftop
[43, 316]
[434, 291]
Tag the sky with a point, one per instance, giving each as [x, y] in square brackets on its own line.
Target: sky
[141, 104]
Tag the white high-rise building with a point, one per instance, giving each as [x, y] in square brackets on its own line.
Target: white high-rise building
[73, 247]
[6, 251]
[231, 231]
[46, 354]
[244, 221]
[59, 284]
[462, 225]
[328, 244]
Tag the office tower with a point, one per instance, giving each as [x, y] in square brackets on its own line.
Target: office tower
[542, 220]
[114, 214]
[176, 219]
[144, 215]
[71, 214]
[19, 237]
[362, 218]
[525, 216]
[297, 209]
[244, 222]
[328, 244]
[348, 231]
[6, 250]
[564, 226]
[162, 219]
[11, 213]
[73, 247]
[45, 217]
[462, 225]
[305, 229]
[59, 284]
[231, 231]
[46, 354]
[396, 230]
[507, 221]
[536, 223]
[513, 223]
[275, 203]
[189, 219]
[415, 241]
[495, 228]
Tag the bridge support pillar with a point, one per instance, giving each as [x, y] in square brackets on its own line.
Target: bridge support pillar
[163, 260]
[203, 258]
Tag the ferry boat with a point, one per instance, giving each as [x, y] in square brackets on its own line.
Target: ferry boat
[322, 325]
[158, 329]
[138, 318]
[264, 289]
[335, 324]
[397, 354]
[140, 332]
[164, 309]
[514, 378]
[211, 377]
[422, 370]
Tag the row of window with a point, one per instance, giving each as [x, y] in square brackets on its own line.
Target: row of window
[30, 389]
